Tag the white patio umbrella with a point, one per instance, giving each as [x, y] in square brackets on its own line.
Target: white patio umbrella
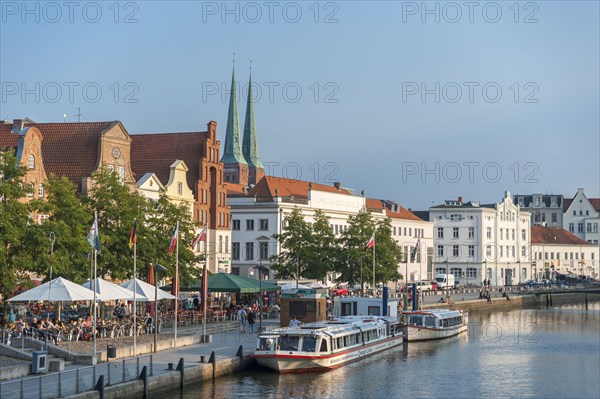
[107, 291]
[146, 290]
[59, 289]
[317, 286]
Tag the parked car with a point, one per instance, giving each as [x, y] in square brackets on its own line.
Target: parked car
[339, 291]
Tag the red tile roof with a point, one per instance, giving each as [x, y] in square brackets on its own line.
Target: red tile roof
[233, 188]
[554, 235]
[7, 138]
[156, 153]
[402, 212]
[69, 149]
[265, 188]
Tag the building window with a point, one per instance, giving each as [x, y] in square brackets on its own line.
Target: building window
[471, 272]
[410, 231]
[554, 217]
[571, 227]
[250, 224]
[204, 196]
[471, 232]
[40, 190]
[524, 250]
[249, 251]
[121, 172]
[488, 251]
[264, 250]
[394, 230]
[537, 202]
[455, 232]
[220, 243]
[440, 232]
[226, 244]
[264, 224]
[179, 188]
[523, 234]
[440, 250]
[502, 234]
[471, 250]
[489, 232]
[31, 162]
[521, 201]
[580, 227]
[574, 213]
[235, 250]
[455, 251]
[235, 224]
[588, 226]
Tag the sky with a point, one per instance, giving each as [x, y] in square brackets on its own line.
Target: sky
[416, 102]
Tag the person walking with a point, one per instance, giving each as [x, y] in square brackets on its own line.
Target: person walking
[241, 316]
[251, 319]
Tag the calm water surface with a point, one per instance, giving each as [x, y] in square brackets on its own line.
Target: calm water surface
[542, 353]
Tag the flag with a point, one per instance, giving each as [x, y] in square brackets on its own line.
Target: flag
[415, 251]
[174, 239]
[92, 236]
[371, 242]
[200, 237]
[132, 236]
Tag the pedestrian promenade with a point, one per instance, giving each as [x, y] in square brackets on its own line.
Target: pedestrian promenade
[225, 343]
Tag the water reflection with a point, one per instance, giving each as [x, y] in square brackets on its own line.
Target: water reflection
[545, 352]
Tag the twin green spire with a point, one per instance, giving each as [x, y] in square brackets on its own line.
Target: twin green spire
[234, 153]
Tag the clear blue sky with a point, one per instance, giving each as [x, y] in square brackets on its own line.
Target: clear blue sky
[366, 124]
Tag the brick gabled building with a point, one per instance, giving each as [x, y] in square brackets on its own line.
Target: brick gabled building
[74, 150]
[159, 153]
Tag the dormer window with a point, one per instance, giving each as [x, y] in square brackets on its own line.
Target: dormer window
[31, 162]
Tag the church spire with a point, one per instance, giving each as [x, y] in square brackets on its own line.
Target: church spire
[250, 144]
[233, 152]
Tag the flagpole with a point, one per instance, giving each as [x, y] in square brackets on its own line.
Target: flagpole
[176, 283]
[134, 293]
[95, 282]
[204, 288]
[420, 276]
[374, 264]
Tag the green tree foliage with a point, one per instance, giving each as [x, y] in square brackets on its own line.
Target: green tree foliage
[323, 249]
[353, 252]
[69, 219]
[295, 241]
[15, 252]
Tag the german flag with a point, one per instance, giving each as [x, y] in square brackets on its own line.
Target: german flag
[132, 237]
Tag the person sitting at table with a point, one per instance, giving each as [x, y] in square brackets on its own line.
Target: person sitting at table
[86, 327]
[148, 321]
[100, 326]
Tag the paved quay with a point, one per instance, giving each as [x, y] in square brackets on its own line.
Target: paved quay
[120, 376]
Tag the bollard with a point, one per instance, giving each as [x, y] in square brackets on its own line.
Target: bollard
[180, 367]
[202, 359]
[77, 381]
[170, 366]
[213, 360]
[107, 373]
[123, 370]
[144, 377]
[100, 386]
[240, 352]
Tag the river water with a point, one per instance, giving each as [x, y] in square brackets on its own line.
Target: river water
[523, 353]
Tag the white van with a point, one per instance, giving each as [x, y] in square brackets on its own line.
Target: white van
[445, 280]
[424, 286]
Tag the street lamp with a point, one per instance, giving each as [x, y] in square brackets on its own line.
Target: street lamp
[158, 268]
[260, 269]
[447, 279]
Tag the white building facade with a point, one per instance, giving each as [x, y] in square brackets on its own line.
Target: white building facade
[482, 241]
[256, 217]
[582, 217]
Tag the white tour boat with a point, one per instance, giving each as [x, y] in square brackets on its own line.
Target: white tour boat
[325, 345]
[422, 325]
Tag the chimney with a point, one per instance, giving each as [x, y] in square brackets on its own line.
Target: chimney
[460, 199]
[337, 185]
[18, 125]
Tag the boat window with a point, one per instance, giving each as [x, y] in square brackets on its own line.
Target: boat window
[358, 340]
[415, 319]
[346, 340]
[339, 343]
[309, 344]
[265, 344]
[429, 321]
[323, 345]
[289, 343]
[445, 323]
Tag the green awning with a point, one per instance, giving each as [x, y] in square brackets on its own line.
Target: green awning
[224, 282]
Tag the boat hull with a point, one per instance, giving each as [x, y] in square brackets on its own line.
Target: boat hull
[418, 333]
[283, 362]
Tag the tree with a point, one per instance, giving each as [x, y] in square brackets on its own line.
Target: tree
[295, 242]
[15, 253]
[69, 219]
[323, 248]
[353, 252]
